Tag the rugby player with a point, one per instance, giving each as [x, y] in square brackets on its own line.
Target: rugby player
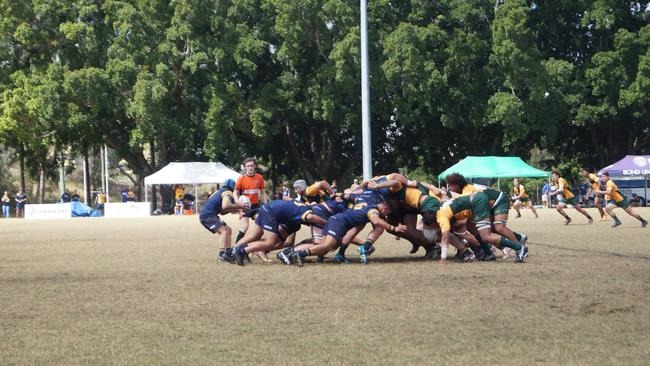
[521, 198]
[477, 206]
[612, 193]
[221, 202]
[567, 198]
[594, 185]
[251, 185]
[339, 228]
[276, 220]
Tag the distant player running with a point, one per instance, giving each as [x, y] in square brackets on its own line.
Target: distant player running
[221, 202]
[568, 198]
[612, 193]
[595, 184]
[521, 198]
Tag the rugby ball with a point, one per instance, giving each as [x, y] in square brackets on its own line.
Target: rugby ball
[244, 200]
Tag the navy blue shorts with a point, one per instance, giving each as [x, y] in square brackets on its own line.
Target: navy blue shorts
[212, 223]
[255, 209]
[335, 227]
[267, 221]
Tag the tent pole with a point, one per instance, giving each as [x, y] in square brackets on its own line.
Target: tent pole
[146, 193]
[548, 203]
[645, 191]
[498, 184]
[196, 198]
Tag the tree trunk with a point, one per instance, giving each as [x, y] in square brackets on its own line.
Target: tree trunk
[22, 166]
[87, 178]
[154, 199]
[41, 184]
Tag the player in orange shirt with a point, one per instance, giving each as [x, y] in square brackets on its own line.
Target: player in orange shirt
[617, 199]
[251, 185]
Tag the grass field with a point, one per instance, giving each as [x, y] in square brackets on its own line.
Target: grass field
[150, 291]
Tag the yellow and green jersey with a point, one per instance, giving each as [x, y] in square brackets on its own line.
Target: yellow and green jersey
[520, 190]
[566, 188]
[614, 194]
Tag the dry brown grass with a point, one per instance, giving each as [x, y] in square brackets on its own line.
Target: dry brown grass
[149, 291]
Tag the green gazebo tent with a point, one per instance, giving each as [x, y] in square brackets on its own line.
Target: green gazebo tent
[494, 167]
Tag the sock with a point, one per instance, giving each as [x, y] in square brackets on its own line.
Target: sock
[510, 244]
[304, 253]
[641, 219]
[228, 251]
[487, 248]
[368, 244]
[221, 252]
[566, 217]
[517, 235]
[613, 215]
[239, 236]
[242, 248]
[342, 249]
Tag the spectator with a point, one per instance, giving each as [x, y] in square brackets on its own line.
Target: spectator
[545, 190]
[335, 187]
[65, 197]
[100, 199]
[178, 206]
[75, 196]
[130, 195]
[179, 191]
[286, 193]
[21, 199]
[6, 205]
[125, 195]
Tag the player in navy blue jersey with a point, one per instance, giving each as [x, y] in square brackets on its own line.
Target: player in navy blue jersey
[220, 203]
[276, 221]
[339, 229]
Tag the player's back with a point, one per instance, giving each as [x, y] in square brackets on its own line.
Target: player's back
[286, 211]
[213, 205]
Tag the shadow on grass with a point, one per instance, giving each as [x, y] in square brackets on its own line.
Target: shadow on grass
[592, 251]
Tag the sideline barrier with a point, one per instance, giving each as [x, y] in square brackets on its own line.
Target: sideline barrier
[48, 211]
[127, 209]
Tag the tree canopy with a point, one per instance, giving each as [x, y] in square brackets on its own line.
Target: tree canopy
[280, 80]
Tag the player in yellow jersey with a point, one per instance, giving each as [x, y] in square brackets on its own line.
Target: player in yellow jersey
[567, 198]
[617, 199]
[521, 198]
[595, 184]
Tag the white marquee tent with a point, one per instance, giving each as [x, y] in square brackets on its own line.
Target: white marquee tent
[191, 173]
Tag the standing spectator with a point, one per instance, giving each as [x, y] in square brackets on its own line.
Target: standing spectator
[125, 195]
[21, 199]
[65, 197]
[100, 199]
[545, 190]
[335, 187]
[75, 196]
[6, 205]
[635, 201]
[179, 192]
[130, 195]
[286, 193]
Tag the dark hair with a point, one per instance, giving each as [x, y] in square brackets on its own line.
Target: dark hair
[248, 160]
[605, 173]
[457, 179]
[555, 172]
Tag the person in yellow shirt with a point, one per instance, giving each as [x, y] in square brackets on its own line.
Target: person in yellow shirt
[100, 200]
[521, 198]
[594, 185]
[566, 197]
[617, 199]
